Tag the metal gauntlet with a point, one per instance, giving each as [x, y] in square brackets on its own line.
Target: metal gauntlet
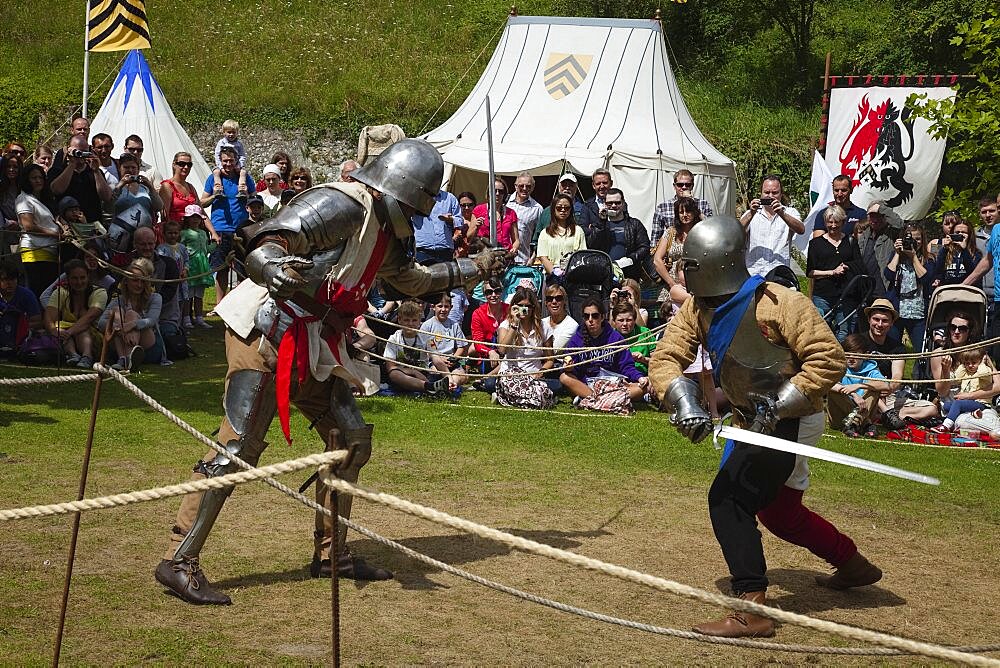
[683, 397]
[271, 266]
[790, 402]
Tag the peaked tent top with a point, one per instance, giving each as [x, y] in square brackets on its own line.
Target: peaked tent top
[578, 89]
[136, 105]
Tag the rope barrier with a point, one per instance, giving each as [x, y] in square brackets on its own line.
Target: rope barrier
[650, 333]
[749, 643]
[168, 491]
[230, 258]
[76, 378]
[938, 352]
[654, 582]
[926, 381]
[638, 626]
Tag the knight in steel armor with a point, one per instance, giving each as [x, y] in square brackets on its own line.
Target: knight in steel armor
[310, 268]
[775, 360]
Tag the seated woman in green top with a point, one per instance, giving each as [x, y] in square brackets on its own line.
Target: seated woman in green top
[623, 317]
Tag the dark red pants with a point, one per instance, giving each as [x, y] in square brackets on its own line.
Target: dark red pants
[789, 520]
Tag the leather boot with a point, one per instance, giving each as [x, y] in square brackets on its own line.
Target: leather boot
[740, 624]
[855, 572]
[349, 567]
[185, 580]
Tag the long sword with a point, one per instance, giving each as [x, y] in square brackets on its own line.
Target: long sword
[774, 443]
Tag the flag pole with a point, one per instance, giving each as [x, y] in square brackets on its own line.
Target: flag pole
[86, 57]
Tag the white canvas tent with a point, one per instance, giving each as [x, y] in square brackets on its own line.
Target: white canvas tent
[136, 105]
[575, 94]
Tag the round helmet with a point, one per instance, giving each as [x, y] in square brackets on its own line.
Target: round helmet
[411, 171]
[714, 257]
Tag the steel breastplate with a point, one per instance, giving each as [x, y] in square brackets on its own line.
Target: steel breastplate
[753, 364]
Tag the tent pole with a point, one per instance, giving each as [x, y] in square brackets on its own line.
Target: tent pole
[492, 202]
[86, 57]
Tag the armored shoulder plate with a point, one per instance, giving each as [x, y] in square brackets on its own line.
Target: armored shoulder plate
[319, 219]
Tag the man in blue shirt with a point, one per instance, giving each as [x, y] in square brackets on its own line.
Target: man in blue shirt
[433, 234]
[229, 211]
[842, 190]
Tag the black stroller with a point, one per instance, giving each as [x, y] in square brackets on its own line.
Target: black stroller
[588, 274]
[856, 295]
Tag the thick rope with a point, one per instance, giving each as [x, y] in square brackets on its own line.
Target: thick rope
[169, 491]
[469, 576]
[927, 381]
[939, 352]
[654, 582]
[76, 378]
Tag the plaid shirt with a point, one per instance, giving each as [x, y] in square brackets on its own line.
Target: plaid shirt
[663, 217]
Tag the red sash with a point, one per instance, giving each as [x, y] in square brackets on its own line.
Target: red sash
[294, 345]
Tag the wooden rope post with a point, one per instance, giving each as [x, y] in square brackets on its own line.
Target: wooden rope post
[81, 493]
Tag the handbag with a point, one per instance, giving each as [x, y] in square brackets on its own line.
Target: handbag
[40, 349]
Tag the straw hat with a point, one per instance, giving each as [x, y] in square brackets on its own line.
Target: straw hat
[882, 305]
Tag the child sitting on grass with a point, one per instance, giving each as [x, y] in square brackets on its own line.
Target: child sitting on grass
[408, 348]
[447, 354]
[972, 363]
[857, 396]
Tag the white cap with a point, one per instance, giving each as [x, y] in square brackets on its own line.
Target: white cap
[568, 176]
[271, 169]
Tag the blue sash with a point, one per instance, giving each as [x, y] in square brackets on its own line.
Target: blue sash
[721, 332]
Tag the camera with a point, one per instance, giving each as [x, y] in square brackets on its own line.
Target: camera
[908, 243]
[77, 153]
[957, 237]
[766, 201]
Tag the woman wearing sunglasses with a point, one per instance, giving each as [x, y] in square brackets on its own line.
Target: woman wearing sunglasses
[301, 179]
[486, 321]
[177, 194]
[594, 361]
[506, 220]
[559, 323]
[562, 237]
[525, 345]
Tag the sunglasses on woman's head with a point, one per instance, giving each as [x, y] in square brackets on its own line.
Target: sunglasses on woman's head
[555, 298]
[180, 163]
[490, 291]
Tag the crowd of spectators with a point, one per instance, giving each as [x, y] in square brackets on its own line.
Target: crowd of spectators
[87, 223]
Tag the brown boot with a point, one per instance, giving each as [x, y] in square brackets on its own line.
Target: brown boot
[185, 580]
[740, 624]
[855, 572]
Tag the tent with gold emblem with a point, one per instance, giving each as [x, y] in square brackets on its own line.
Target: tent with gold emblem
[575, 94]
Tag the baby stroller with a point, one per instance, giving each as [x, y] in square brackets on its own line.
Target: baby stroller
[944, 301]
[857, 293]
[588, 274]
[513, 278]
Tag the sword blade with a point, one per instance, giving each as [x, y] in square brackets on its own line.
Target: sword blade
[775, 443]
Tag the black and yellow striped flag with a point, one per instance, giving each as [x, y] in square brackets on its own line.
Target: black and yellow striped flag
[117, 25]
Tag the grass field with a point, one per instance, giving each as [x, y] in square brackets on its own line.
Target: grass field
[627, 490]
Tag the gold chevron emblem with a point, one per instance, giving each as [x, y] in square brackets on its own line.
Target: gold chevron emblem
[564, 73]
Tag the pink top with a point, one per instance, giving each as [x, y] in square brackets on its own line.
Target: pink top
[508, 223]
[178, 201]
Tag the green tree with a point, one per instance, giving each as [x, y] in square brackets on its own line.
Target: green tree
[971, 122]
